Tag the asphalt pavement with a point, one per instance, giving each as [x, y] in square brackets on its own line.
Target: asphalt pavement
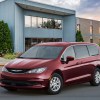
[75, 92]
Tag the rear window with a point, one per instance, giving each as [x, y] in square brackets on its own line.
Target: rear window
[81, 51]
[93, 50]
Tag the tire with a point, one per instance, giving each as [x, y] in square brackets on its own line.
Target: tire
[54, 86]
[96, 78]
[10, 89]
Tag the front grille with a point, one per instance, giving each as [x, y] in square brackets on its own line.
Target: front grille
[18, 83]
[17, 71]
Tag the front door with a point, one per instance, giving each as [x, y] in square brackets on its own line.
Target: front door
[75, 70]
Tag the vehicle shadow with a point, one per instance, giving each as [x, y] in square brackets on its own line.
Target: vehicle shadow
[40, 92]
[77, 87]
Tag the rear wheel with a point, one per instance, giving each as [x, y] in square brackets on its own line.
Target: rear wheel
[55, 84]
[96, 78]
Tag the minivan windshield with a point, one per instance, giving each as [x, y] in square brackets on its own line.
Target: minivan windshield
[42, 52]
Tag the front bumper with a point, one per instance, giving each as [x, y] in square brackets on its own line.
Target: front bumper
[23, 81]
[22, 84]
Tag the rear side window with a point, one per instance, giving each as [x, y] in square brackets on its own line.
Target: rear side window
[68, 52]
[93, 50]
[81, 51]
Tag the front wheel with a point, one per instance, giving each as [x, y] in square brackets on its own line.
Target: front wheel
[55, 84]
[96, 78]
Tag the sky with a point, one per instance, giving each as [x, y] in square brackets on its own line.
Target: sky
[89, 9]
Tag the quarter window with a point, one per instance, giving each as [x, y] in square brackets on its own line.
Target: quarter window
[93, 50]
[81, 51]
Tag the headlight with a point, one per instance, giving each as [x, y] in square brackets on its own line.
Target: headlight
[4, 69]
[37, 70]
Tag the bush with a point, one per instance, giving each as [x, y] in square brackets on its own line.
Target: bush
[10, 56]
[99, 44]
[79, 37]
[5, 38]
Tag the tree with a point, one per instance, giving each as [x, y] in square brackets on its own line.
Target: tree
[79, 37]
[52, 24]
[5, 38]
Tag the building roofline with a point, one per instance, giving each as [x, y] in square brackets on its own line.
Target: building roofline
[26, 4]
[50, 5]
[88, 19]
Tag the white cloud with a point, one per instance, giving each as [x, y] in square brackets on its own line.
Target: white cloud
[43, 1]
[84, 8]
[1, 0]
[71, 4]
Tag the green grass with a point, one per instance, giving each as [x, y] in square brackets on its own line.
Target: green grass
[10, 56]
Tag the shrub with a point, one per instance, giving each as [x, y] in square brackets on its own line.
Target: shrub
[5, 38]
[99, 44]
[10, 56]
[79, 37]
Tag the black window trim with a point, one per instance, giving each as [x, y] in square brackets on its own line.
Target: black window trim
[74, 50]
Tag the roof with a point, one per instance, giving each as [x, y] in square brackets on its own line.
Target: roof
[30, 5]
[62, 43]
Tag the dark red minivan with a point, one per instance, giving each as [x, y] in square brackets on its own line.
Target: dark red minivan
[50, 66]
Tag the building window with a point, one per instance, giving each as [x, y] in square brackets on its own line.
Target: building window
[29, 42]
[44, 25]
[34, 21]
[28, 21]
[59, 24]
[78, 27]
[91, 34]
[91, 40]
[91, 22]
[91, 29]
[40, 21]
[99, 29]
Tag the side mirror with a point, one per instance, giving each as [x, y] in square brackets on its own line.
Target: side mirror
[69, 58]
[62, 61]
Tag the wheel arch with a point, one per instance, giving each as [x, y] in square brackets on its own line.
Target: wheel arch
[58, 71]
[98, 66]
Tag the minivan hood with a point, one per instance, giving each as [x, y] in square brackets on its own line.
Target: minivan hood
[27, 63]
